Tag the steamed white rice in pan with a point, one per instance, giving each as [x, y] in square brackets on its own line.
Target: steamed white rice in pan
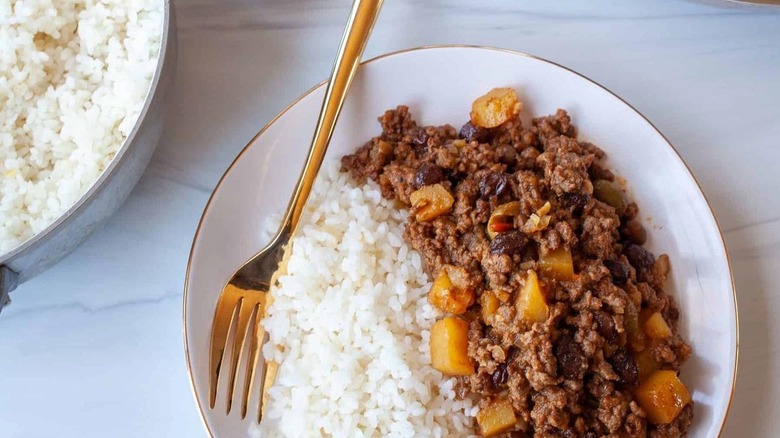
[74, 75]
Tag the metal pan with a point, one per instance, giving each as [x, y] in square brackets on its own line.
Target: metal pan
[112, 187]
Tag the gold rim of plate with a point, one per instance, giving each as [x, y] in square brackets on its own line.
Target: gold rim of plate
[464, 46]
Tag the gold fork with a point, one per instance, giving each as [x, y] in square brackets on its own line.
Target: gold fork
[242, 303]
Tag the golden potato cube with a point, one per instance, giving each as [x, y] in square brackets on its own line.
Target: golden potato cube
[430, 202]
[531, 303]
[451, 291]
[489, 303]
[557, 264]
[495, 418]
[662, 396]
[495, 108]
[645, 364]
[655, 326]
[449, 347]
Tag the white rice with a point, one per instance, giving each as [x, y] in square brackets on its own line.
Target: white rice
[74, 75]
[349, 325]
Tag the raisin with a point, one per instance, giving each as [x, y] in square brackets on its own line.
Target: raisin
[472, 133]
[618, 270]
[508, 243]
[606, 326]
[641, 259]
[625, 368]
[499, 376]
[428, 174]
[576, 201]
[570, 358]
[493, 184]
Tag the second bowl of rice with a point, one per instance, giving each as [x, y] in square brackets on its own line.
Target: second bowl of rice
[82, 93]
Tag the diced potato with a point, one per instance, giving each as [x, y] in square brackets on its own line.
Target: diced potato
[645, 364]
[557, 264]
[449, 347]
[610, 193]
[502, 218]
[489, 303]
[654, 325]
[662, 396]
[634, 333]
[495, 108]
[430, 202]
[451, 291]
[531, 303]
[495, 418]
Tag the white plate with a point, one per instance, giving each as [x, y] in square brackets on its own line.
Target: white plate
[439, 85]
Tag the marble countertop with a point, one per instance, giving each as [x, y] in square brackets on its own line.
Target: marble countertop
[93, 347]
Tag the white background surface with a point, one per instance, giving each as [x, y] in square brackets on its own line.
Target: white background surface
[93, 347]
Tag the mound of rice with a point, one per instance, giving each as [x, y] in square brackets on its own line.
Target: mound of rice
[74, 75]
[349, 325]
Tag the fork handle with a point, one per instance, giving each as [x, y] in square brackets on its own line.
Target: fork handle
[361, 21]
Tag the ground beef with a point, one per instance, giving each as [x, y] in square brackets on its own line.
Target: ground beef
[565, 166]
[573, 374]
